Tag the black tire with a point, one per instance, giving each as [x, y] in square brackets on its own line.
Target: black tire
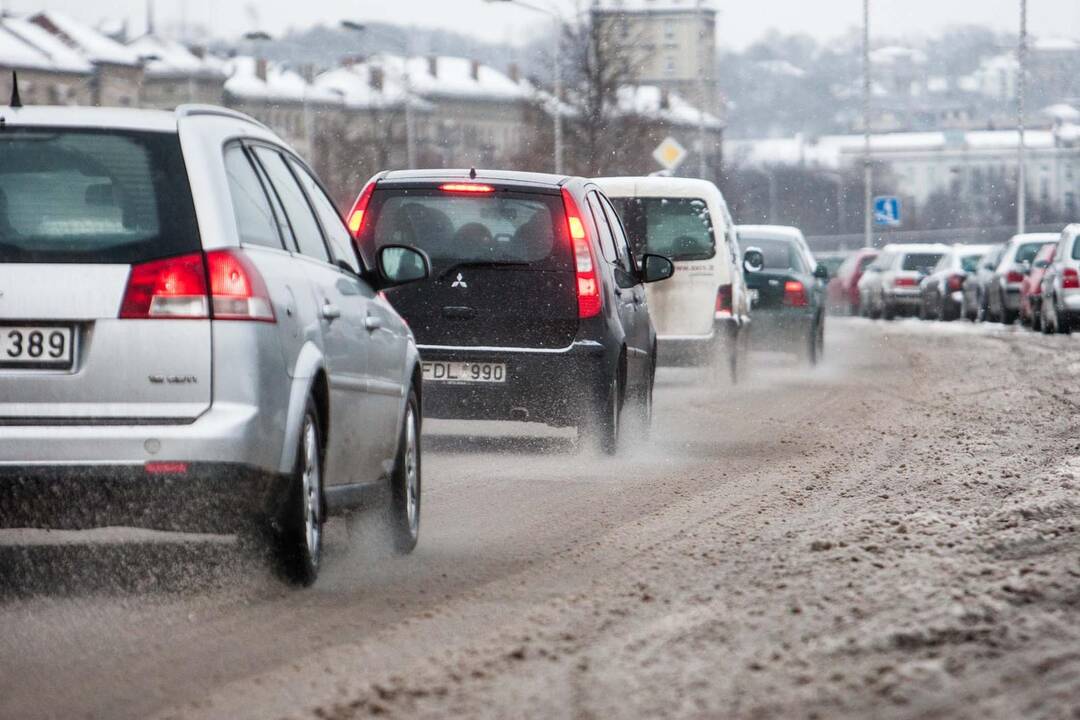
[402, 506]
[887, 312]
[1008, 317]
[1036, 317]
[602, 425]
[299, 541]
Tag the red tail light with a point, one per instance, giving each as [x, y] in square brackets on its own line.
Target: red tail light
[904, 282]
[355, 220]
[1070, 279]
[588, 282]
[1014, 277]
[956, 282]
[170, 288]
[723, 300]
[166, 468]
[237, 291]
[466, 188]
[795, 294]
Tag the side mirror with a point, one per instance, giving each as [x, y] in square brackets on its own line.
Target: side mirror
[753, 260]
[655, 268]
[821, 272]
[400, 265]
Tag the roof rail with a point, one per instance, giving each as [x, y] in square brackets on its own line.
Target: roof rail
[193, 110]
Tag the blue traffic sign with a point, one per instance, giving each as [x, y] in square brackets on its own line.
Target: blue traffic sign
[887, 211]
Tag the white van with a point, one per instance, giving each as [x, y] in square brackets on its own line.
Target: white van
[702, 313]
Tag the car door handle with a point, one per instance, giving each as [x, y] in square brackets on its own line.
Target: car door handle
[372, 323]
[331, 311]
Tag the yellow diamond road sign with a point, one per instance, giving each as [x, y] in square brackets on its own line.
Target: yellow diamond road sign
[669, 153]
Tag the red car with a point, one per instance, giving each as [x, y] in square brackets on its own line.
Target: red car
[844, 288]
[1031, 288]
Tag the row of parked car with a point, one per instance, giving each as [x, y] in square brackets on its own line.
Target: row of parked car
[192, 334]
[1033, 278]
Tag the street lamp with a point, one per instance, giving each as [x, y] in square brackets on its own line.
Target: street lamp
[868, 170]
[1021, 92]
[410, 124]
[559, 23]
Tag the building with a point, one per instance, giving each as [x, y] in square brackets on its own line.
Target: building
[175, 74]
[49, 72]
[676, 40]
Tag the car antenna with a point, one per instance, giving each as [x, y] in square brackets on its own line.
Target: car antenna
[472, 173]
[16, 101]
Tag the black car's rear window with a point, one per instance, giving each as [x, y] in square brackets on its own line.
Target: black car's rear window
[677, 228]
[512, 229]
[779, 254]
[93, 196]
[921, 262]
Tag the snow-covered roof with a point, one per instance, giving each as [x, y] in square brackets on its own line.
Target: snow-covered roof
[25, 45]
[653, 5]
[88, 42]
[782, 67]
[1061, 112]
[281, 84]
[1056, 44]
[354, 85]
[647, 100]
[169, 58]
[893, 54]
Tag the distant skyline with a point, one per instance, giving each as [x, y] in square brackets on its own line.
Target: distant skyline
[741, 21]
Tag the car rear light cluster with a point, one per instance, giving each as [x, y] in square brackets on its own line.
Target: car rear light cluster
[223, 284]
[956, 282]
[795, 294]
[723, 300]
[904, 282]
[1014, 277]
[1070, 279]
[355, 220]
[588, 282]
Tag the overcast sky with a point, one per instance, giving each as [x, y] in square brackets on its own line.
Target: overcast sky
[741, 21]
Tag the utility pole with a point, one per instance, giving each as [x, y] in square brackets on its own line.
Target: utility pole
[704, 61]
[1021, 154]
[868, 171]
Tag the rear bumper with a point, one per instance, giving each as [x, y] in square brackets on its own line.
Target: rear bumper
[904, 298]
[205, 497]
[549, 386]
[781, 329]
[1070, 299]
[1011, 298]
[696, 350]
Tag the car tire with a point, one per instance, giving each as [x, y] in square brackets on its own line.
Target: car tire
[1008, 317]
[299, 540]
[602, 426]
[887, 312]
[401, 508]
[1036, 317]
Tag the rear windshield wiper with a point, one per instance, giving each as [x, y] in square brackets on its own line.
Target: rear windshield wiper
[481, 264]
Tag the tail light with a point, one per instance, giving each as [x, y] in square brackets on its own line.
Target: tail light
[795, 294]
[723, 300]
[1014, 277]
[355, 220]
[170, 288]
[956, 282]
[1070, 279]
[476, 188]
[166, 468]
[904, 282]
[176, 288]
[237, 291]
[588, 282]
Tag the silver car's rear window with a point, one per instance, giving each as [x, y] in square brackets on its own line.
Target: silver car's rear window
[93, 196]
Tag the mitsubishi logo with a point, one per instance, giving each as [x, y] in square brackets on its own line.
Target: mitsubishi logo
[459, 283]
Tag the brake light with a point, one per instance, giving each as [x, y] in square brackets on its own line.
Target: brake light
[723, 300]
[904, 282]
[956, 282]
[795, 294]
[170, 288]
[237, 291]
[1070, 279]
[466, 188]
[166, 468]
[1014, 277]
[588, 282]
[359, 209]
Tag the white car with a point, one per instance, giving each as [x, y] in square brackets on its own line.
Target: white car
[890, 285]
[702, 314]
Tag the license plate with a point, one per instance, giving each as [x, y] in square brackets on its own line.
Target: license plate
[465, 372]
[27, 346]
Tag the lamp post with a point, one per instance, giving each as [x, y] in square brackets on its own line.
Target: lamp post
[1021, 153]
[410, 120]
[868, 170]
[559, 23]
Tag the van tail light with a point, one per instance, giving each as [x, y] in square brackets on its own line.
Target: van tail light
[1014, 277]
[1070, 279]
[956, 282]
[795, 294]
[355, 220]
[904, 282]
[170, 288]
[176, 288]
[723, 301]
[237, 291]
[588, 281]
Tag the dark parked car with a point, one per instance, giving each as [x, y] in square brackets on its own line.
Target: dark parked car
[536, 307]
[941, 292]
[973, 298]
[787, 287]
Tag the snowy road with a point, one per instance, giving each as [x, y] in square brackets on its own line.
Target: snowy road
[892, 535]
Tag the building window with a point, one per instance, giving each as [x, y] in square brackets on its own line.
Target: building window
[669, 66]
[669, 30]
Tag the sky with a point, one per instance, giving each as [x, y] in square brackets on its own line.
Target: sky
[740, 21]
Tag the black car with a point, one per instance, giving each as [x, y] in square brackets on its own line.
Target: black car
[941, 292]
[535, 309]
[787, 288]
